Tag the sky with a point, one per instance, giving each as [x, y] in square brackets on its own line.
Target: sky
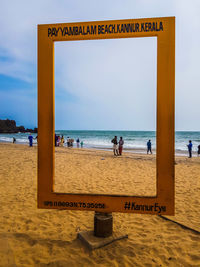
[99, 84]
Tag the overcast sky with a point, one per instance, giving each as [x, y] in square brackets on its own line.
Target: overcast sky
[100, 84]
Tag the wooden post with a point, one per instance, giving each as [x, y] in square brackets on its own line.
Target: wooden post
[103, 224]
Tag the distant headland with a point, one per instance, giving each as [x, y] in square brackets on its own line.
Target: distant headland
[9, 126]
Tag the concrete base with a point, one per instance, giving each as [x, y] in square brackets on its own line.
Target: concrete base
[94, 242]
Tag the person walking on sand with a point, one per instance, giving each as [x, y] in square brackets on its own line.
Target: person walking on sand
[190, 148]
[198, 151]
[14, 140]
[149, 147]
[121, 143]
[30, 138]
[115, 150]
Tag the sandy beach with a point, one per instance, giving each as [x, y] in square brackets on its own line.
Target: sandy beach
[35, 237]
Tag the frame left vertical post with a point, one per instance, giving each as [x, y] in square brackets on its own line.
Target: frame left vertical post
[46, 114]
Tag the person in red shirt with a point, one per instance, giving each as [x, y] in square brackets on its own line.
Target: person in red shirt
[121, 143]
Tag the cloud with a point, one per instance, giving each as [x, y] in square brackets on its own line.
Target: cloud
[115, 79]
[20, 106]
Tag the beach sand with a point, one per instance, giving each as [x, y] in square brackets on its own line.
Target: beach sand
[35, 237]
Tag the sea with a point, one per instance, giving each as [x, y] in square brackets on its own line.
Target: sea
[134, 141]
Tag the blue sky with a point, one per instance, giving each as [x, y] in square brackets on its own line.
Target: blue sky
[103, 84]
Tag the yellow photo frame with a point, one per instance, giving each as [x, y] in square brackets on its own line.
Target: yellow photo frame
[164, 30]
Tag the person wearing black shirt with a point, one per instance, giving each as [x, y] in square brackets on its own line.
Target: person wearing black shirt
[115, 149]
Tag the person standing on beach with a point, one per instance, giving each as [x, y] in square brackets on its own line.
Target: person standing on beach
[149, 147]
[30, 138]
[62, 141]
[190, 148]
[115, 150]
[14, 140]
[121, 143]
[77, 142]
[56, 139]
[81, 144]
[67, 141]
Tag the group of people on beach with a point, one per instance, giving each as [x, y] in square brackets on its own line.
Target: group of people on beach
[60, 141]
[189, 148]
[30, 140]
[78, 143]
[117, 146]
